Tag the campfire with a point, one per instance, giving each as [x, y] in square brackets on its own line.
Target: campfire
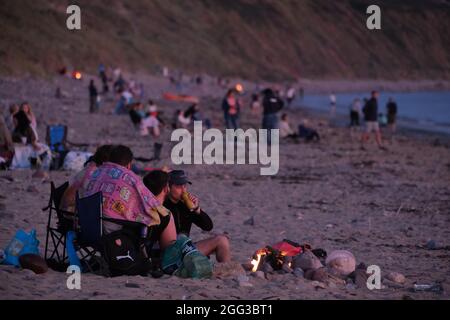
[268, 255]
[76, 75]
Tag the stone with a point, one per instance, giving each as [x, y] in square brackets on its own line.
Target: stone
[431, 245]
[342, 262]
[267, 268]
[317, 284]
[306, 260]
[250, 222]
[247, 266]
[396, 277]
[32, 189]
[360, 278]
[33, 262]
[320, 275]
[298, 272]
[286, 269]
[238, 184]
[259, 274]
[132, 285]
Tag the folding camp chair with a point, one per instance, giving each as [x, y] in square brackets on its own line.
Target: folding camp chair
[57, 228]
[56, 139]
[89, 230]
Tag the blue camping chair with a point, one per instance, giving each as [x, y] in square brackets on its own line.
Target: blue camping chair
[89, 231]
[56, 139]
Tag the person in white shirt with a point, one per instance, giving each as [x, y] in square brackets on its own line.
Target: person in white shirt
[285, 129]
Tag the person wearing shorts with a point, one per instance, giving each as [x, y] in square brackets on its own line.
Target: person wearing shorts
[371, 119]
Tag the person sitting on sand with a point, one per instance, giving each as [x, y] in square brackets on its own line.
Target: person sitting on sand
[285, 129]
[9, 120]
[100, 156]
[182, 121]
[172, 186]
[23, 131]
[126, 197]
[307, 133]
[194, 113]
[151, 122]
[25, 107]
[6, 144]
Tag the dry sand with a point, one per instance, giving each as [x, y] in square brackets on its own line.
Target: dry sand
[382, 206]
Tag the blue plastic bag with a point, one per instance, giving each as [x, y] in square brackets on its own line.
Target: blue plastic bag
[22, 243]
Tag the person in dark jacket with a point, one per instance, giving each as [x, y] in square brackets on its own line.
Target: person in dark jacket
[391, 109]
[171, 186]
[93, 95]
[272, 104]
[370, 111]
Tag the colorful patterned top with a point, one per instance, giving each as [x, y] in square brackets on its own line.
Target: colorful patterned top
[79, 180]
[124, 195]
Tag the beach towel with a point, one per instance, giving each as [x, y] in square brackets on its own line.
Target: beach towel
[124, 195]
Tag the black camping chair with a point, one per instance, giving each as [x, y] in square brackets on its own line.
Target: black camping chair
[89, 230]
[57, 228]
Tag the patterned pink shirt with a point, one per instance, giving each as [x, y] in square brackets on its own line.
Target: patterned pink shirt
[124, 195]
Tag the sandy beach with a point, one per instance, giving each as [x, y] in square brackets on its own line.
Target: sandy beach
[383, 206]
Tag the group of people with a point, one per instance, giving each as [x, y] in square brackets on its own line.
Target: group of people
[372, 118]
[272, 104]
[19, 138]
[157, 200]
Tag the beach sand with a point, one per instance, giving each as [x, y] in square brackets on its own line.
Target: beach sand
[383, 206]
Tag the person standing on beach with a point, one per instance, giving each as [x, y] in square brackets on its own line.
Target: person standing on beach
[93, 95]
[355, 111]
[290, 95]
[371, 119]
[332, 104]
[391, 109]
[272, 104]
[231, 108]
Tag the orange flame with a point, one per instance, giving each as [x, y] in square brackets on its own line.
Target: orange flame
[255, 262]
[239, 87]
[78, 75]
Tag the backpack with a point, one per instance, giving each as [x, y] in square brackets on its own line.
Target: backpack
[124, 255]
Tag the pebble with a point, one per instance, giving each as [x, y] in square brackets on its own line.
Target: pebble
[431, 245]
[32, 189]
[299, 273]
[267, 268]
[238, 184]
[132, 285]
[250, 222]
[396, 277]
[259, 274]
[317, 284]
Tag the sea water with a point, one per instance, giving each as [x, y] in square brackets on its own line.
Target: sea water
[424, 110]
